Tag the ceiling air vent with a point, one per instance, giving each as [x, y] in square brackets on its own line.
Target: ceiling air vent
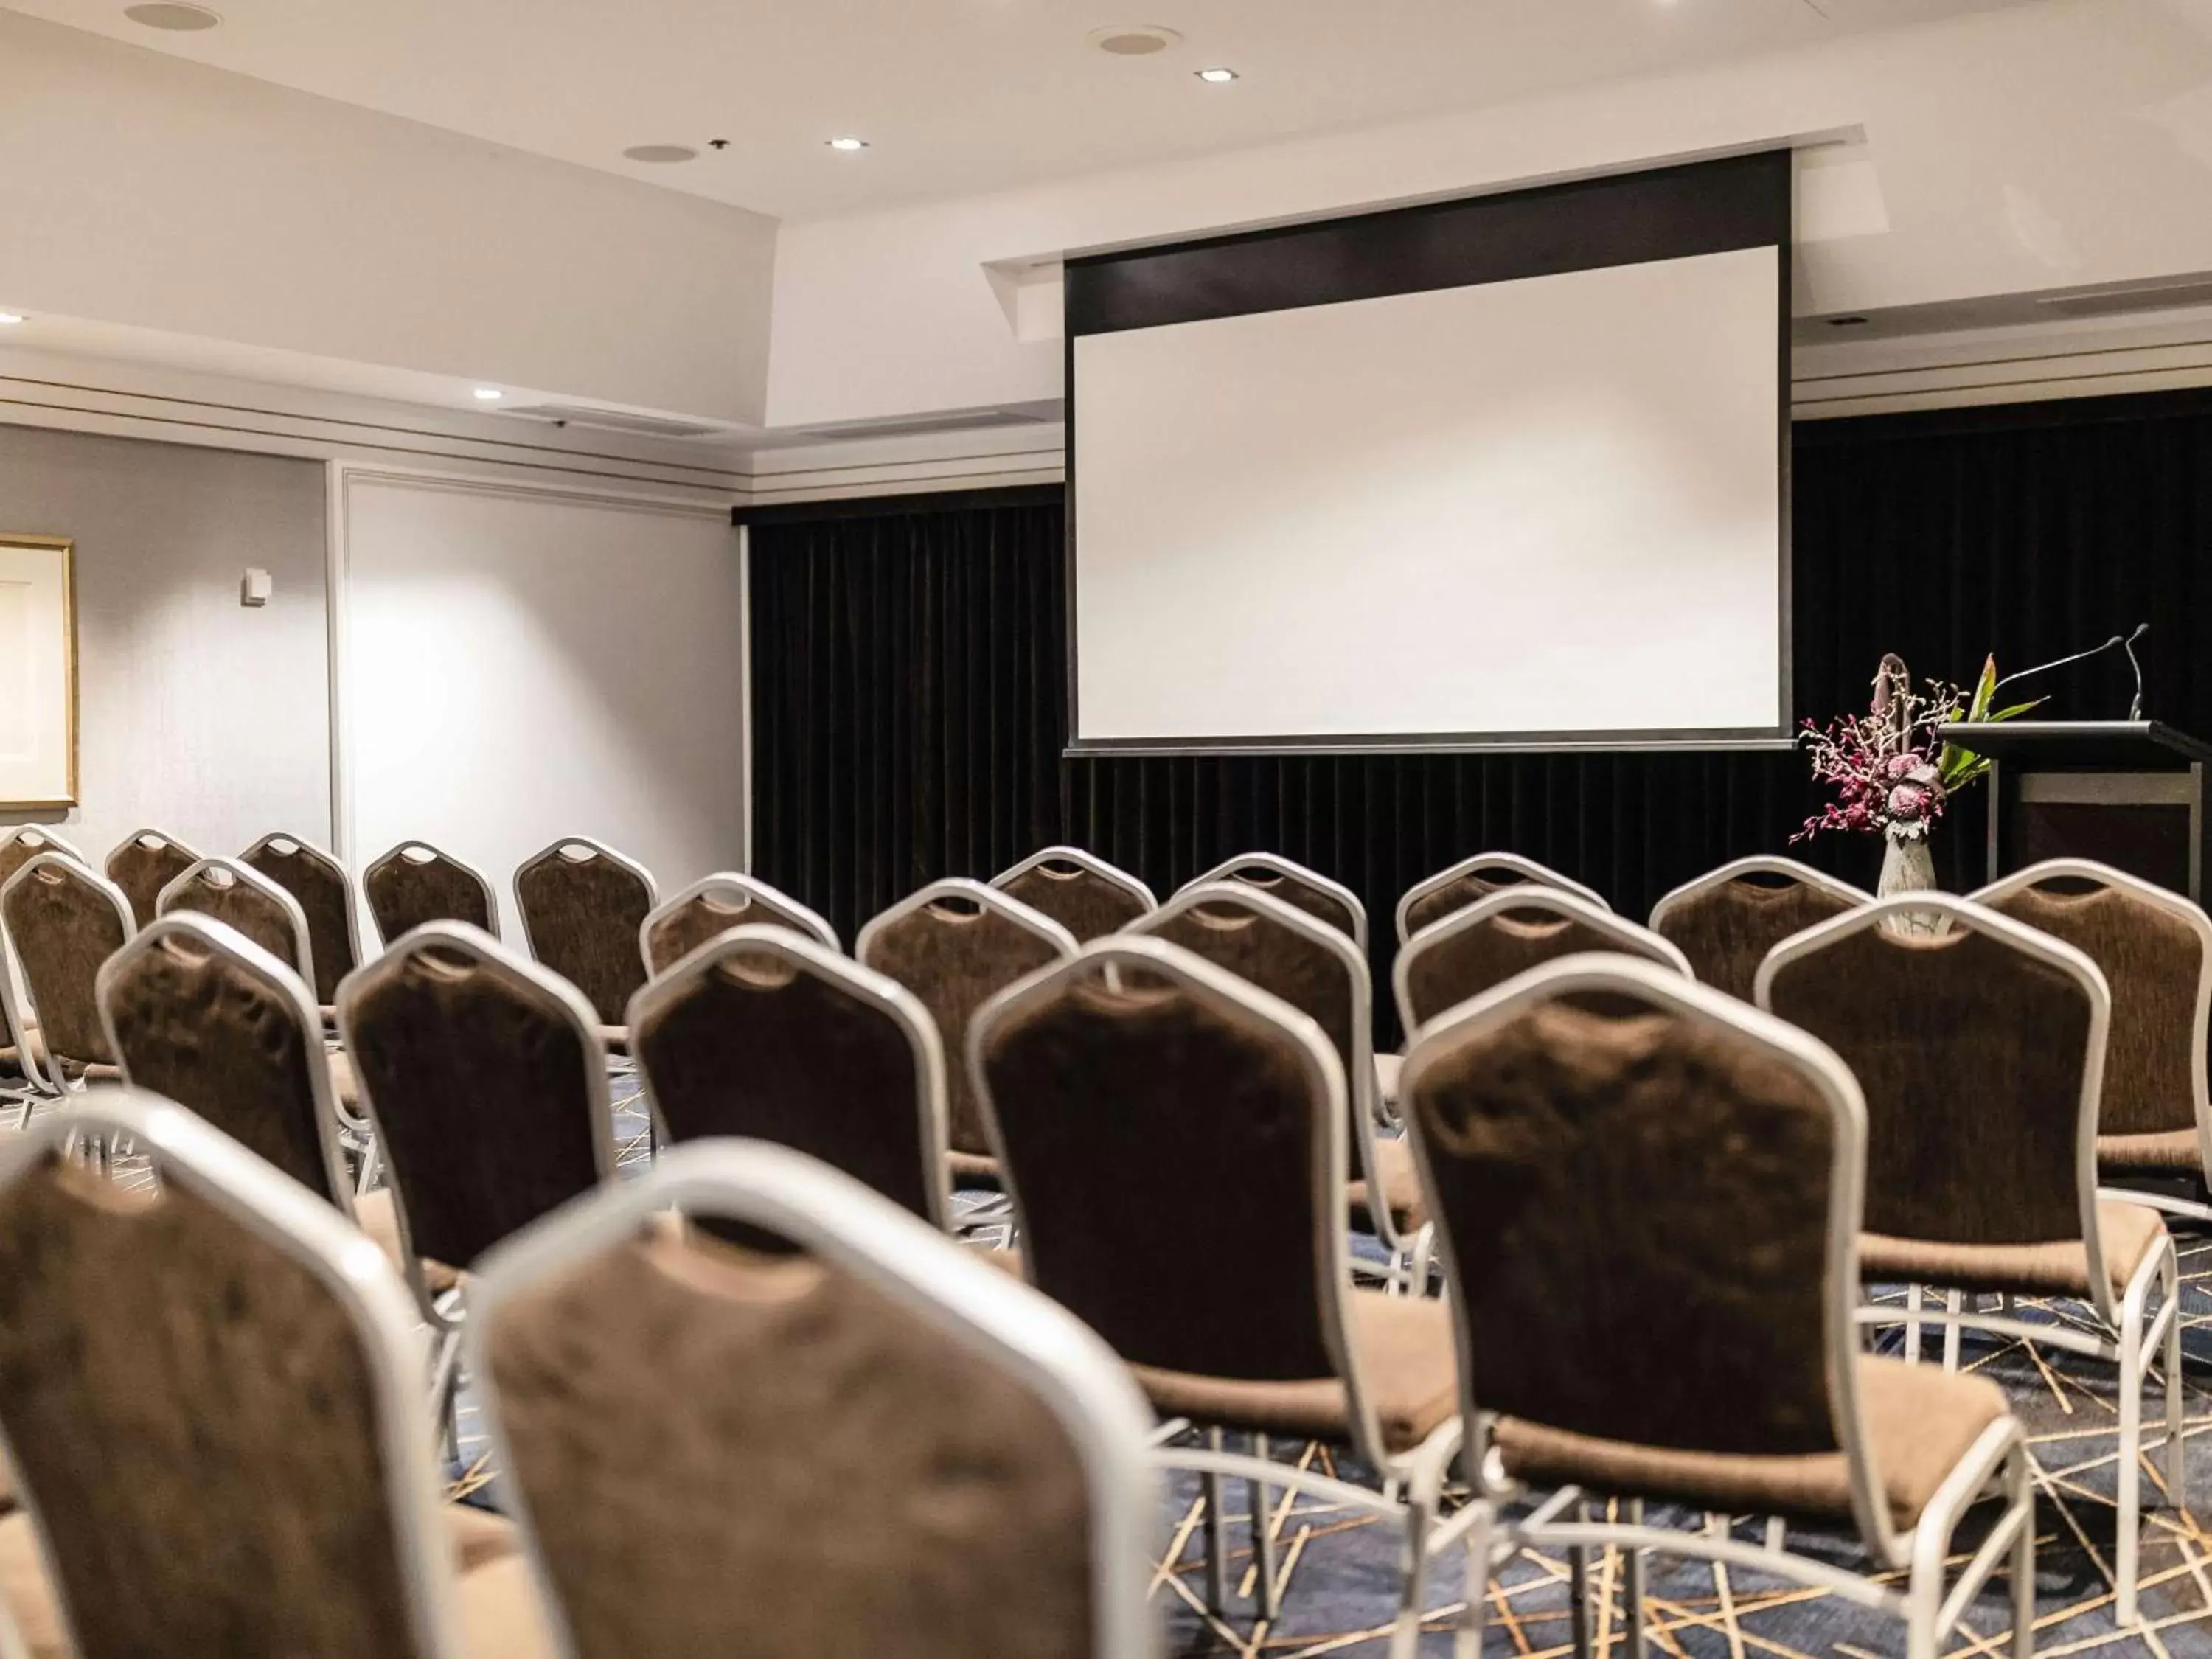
[613, 420]
[2119, 301]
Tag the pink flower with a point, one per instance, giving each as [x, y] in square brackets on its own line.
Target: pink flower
[1903, 766]
[1908, 803]
[1856, 816]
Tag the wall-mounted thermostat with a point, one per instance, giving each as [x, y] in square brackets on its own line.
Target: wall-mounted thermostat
[256, 588]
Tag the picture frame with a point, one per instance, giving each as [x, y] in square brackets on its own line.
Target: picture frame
[39, 725]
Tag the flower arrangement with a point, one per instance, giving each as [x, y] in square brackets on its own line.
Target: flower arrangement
[1891, 774]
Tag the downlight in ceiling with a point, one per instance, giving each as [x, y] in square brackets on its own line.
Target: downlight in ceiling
[1134, 39]
[663, 153]
[175, 15]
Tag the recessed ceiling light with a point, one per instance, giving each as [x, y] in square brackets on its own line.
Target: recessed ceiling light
[488, 394]
[175, 15]
[1217, 77]
[9, 319]
[1134, 39]
[661, 153]
[848, 144]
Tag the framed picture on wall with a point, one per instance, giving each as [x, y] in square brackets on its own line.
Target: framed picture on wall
[38, 671]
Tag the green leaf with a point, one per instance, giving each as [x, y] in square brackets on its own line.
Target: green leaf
[1985, 688]
[2017, 708]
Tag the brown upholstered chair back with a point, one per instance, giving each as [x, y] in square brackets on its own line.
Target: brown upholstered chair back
[19, 846]
[1727, 922]
[244, 899]
[257, 1377]
[715, 904]
[1138, 1082]
[1297, 886]
[325, 893]
[485, 1076]
[143, 865]
[415, 883]
[955, 945]
[582, 905]
[64, 921]
[1627, 1165]
[1477, 877]
[1480, 947]
[1286, 953]
[930, 1459]
[205, 1017]
[1086, 895]
[1978, 1050]
[764, 1036]
[2154, 949]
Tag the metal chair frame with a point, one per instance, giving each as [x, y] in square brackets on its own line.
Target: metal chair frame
[1532, 874]
[435, 855]
[277, 840]
[1635, 940]
[1759, 863]
[1409, 1256]
[1089, 863]
[963, 890]
[13, 999]
[188, 1153]
[2104, 875]
[732, 884]
[2133, 1335]
[1930, 1606]
[52, 1083]
[897, 1254]
[174, 897]
[1418, 1474]
[1289, 870]
[863, 985]
[559, 849]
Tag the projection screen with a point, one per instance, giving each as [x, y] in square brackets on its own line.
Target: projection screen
[1514, 478]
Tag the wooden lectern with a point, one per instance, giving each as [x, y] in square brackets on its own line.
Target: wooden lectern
[2130, 793]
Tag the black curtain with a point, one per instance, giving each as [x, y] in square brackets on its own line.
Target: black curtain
[910, 678]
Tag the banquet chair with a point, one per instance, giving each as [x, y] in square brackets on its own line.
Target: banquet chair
[1722, 1300]
[1434, 898]
[1486, 943]
[1727, 920]
[715, 904]
[2154, 949]
[196, 1011]
[61, 921]
[325, 893]
[955, 944]
[24, 843]
[240, 898]
[1981, 1050]
[142, 864]
[415, 883]
[1082, 893]
[18, 847]
[230, 1336]
[762, 1035]
[935, 1462]
[483, 1073]
[1319, 972]
[581, 905]
[1173, 1139]
[1302, 889]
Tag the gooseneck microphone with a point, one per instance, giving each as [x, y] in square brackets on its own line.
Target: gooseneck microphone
[2118, 642]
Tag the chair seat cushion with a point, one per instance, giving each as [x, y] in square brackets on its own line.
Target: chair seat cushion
[1920, 1421]
[1387, 1068]
[1401, 1190]
[500, 1615]
[346, 1087]
[2174, 1152]
[616, 1038]
[2129, 1232]
[1406, 1364]
[377, 1214]
[972, 1169]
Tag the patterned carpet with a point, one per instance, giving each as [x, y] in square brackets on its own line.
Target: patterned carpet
[1337, 1569]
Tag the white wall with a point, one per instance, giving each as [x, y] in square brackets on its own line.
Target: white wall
[143, 190]
[198, 715]
[2057, 144]
[518, 667]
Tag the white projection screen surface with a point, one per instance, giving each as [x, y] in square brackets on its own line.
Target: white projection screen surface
[1548, 510]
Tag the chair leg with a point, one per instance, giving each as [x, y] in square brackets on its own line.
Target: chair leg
[1632, 1597]
[2177, 1447]
[1413, 1581]
[1467, 1643]
[1912, 1326]
[1262, 1499]
[1953, 1301]
[2131, 1461]
[1578, 1607]
[2020, 1485]
[1217, 1536]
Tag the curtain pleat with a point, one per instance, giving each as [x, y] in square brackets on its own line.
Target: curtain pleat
[909, 676]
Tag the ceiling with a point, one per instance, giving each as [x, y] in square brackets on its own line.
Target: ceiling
[954, 96]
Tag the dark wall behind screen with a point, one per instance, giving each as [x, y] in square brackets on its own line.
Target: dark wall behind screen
[910, 679]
